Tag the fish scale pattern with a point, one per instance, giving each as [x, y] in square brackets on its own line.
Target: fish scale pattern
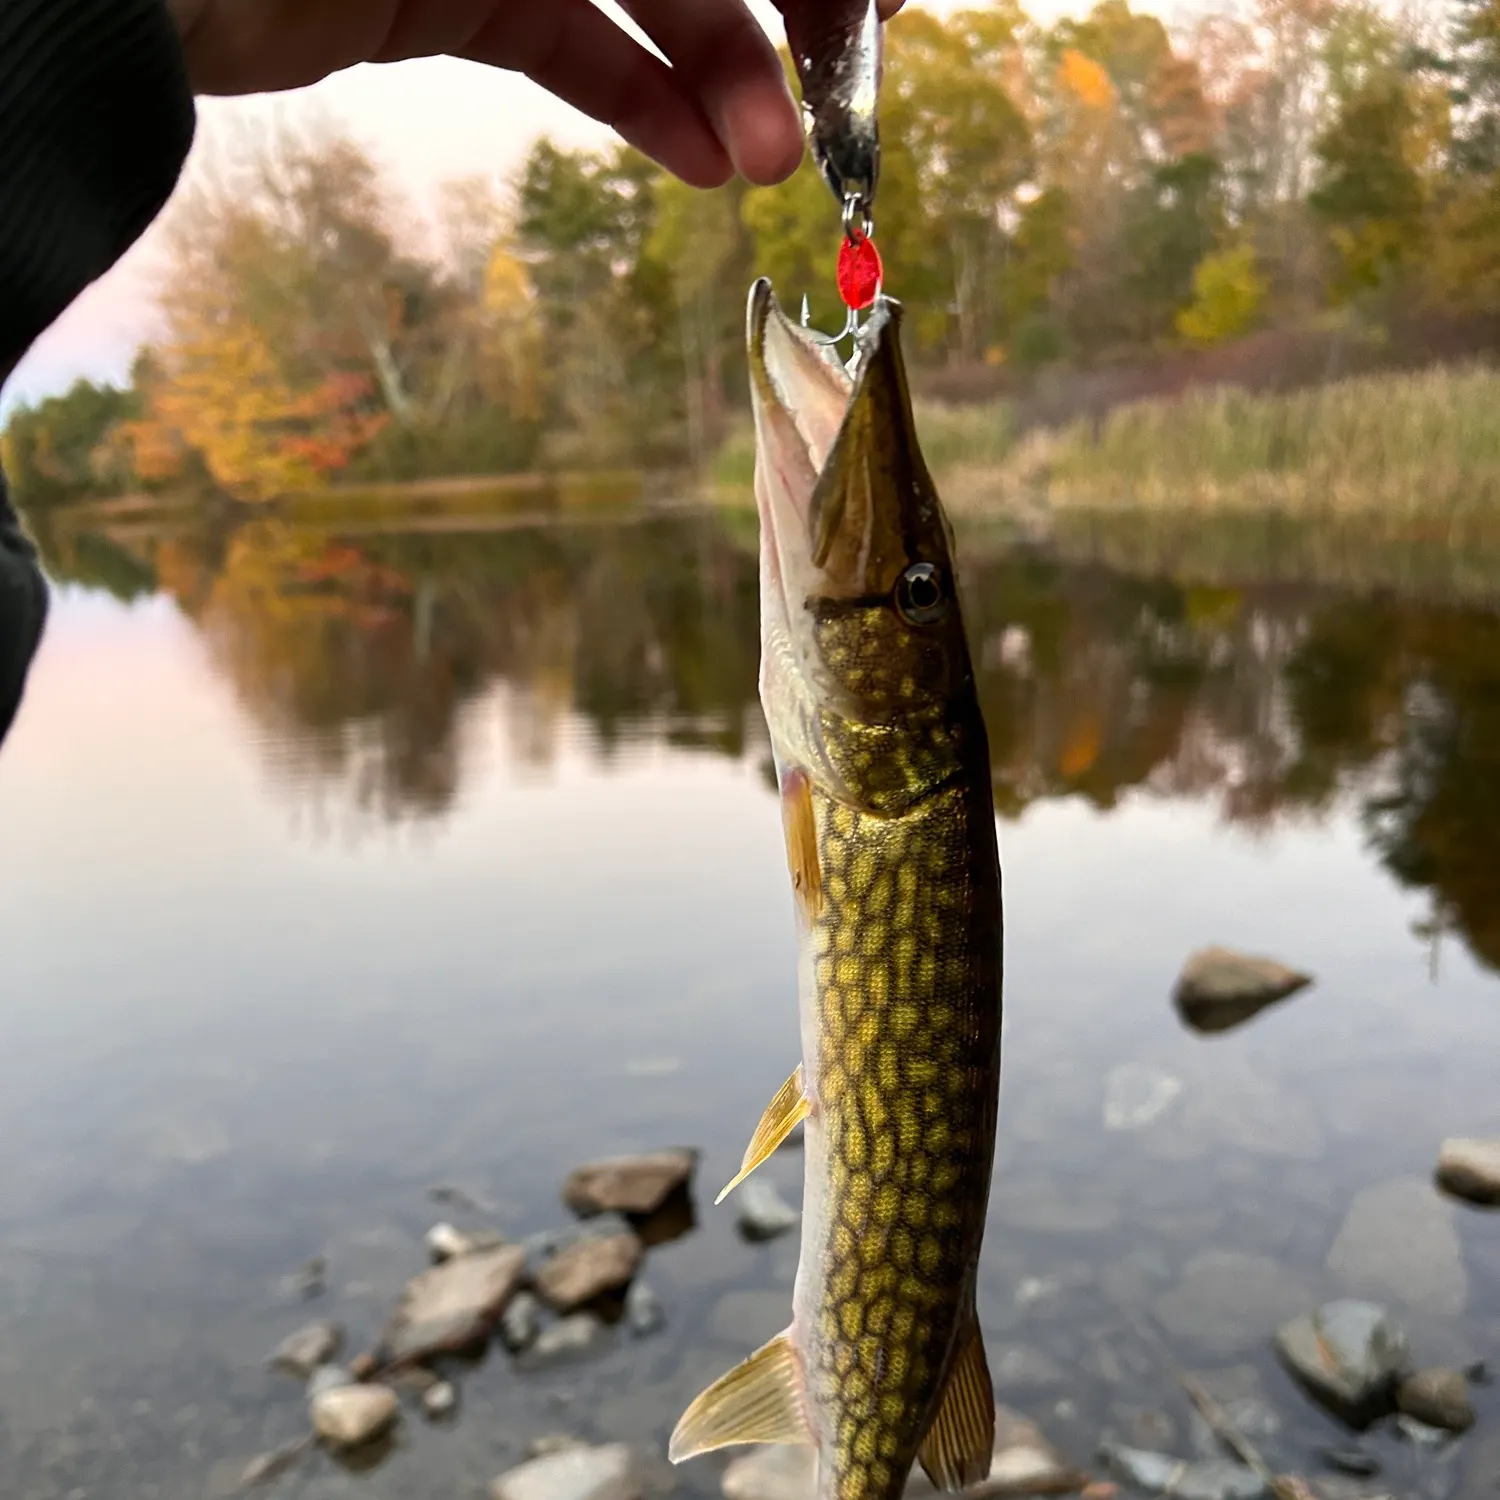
[907, 971]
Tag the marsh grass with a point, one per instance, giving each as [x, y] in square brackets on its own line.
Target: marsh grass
[970, 438]
[1412, 448]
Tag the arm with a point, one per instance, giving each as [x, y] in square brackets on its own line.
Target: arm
[96, 116]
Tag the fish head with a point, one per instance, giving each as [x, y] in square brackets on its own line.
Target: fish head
[865, 666]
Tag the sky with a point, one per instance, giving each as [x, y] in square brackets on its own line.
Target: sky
[425, 122]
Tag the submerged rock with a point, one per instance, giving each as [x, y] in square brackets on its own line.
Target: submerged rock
[351, 1415]
[1226, 1300]
[764, 1213]
[1137, 1094]
[440, 1400]
[643, 1309]
[1438, 1397]
[1352, 1461]
[567, 1339]
[1398, 1241]
[1423, 1434]
[1469, 1168]
[1348, 1354]
[1204, 1479]
[311, 1345]
[444, 1242]
[453, 1306]
[265, 1467]
[628, 1184]
[1220, 989]
[329, 1378]
[781, 1471]
[521, 1322]
[608, 1472]
[1024, 1463]
[588, 1269]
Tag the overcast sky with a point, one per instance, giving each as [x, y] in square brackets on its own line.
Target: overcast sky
[425, 122]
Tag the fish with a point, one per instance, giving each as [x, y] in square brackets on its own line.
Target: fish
[837, 48]
[883, 766]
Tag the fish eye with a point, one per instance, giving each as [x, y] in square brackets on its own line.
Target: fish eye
[921, 598]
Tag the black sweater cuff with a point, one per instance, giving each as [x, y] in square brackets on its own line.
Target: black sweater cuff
[96, 118]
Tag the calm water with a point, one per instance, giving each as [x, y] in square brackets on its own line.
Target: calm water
[338, 867]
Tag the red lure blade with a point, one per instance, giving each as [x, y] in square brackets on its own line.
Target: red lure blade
[859, 271]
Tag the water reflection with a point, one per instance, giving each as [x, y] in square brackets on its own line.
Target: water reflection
[357, 652]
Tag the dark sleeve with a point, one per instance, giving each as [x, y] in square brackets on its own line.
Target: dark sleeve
[96, 117]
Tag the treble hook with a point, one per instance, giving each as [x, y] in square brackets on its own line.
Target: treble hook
[855, 209]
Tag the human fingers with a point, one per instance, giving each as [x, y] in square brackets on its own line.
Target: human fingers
[720, 52]
[574, 51]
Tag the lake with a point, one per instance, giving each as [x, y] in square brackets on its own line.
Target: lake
[341, 866]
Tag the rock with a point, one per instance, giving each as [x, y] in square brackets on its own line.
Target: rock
[440, 1400]
[1469, 1168]
[542, 1246]
[265, 1467]
[1398, 1242]
[643, 1310]
[565, 1340]
[1160, 1474]
[1438, 1397]
[521, 1322]
[1226, 1301]
[608, 1472]
[783, 1471]
[312, 1345]
[1251, 1416]
[1348, 1354]
[1352, 1461]
[1423, 1434]
[628, 1184]
[588, 1269]
[329, 1378]
[1478, 1372]
[362, 1366]
[764, 1213]
[453, 1306]
[444, 1242]
[1024, 1463]
[308, 1280]
[553, 1442]
[351, 1415]
[1137, 1094]
[1348, 1487]
[1219, 989]
[460, 1198]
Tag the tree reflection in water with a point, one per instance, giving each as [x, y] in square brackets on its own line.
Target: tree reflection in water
[368, 659]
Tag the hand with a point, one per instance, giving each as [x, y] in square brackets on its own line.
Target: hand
[719, 105]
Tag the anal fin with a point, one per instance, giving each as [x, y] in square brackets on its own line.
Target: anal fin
[959, 1447]
[758, 1401]
[782, 1116]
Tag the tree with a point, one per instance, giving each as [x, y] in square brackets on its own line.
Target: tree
[1227, 297]
[63, 448]
[1369, 194]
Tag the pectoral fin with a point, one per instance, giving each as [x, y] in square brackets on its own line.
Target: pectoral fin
[782, 1116]
[959, 1447]
[759, 1401]
[801, 829]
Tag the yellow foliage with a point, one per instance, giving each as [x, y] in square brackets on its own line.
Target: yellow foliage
[1085, 79]
[511, 344]
[1227, 296]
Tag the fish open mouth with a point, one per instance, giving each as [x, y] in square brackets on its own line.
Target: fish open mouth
[841, 486]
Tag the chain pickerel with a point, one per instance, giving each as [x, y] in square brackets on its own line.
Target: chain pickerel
[883, 765]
